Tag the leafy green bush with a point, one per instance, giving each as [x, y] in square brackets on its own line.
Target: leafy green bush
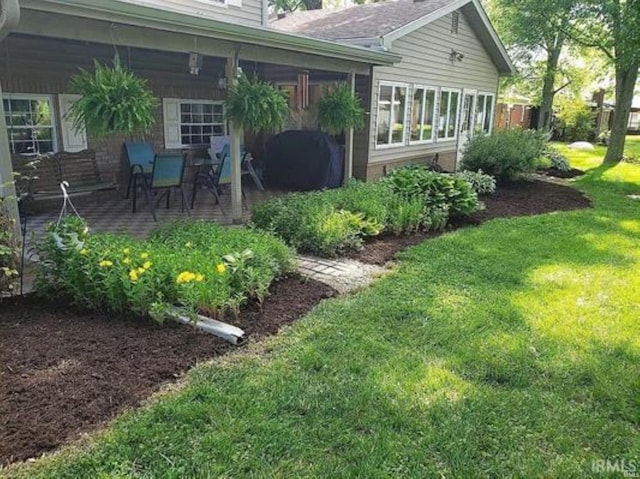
[482, 184]
[439, 191]
[552, 158]
[340, 110]
[334, 222]
[507, 155]
[9, 250]
[199, 266]
[315, 223]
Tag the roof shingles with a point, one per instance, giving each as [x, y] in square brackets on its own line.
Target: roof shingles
[371, 20]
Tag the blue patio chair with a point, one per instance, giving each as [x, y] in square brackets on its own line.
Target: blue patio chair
[140, 157]
[167, 175]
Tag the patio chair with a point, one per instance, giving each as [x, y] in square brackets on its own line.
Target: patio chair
[220, 145]
[140, 156]
[167, 175]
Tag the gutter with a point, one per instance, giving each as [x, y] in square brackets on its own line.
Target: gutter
[144, 16]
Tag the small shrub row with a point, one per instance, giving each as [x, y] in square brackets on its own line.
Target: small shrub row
[200, 266]
[335, 222]
[508, 155]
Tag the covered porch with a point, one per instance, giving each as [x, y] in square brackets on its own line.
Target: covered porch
[54, 39]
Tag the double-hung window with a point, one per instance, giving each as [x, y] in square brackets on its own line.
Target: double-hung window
[449, 113]
[423, 114]
[30, 124]
[392, 112]
[484, 114]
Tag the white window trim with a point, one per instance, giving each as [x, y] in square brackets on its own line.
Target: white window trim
[436, 95]
[484, 112]
[390, 145]
[54, 112]
[221, 3]
[182, 101]
[453, 138]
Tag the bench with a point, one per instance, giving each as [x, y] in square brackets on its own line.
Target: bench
[80, 170]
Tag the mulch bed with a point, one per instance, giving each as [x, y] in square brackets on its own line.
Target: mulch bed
[519, 199]
[63, 373]
[556, 173]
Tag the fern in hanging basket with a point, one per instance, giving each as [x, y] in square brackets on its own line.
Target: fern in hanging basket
[255, 105]
[113, 101]
[340, 110]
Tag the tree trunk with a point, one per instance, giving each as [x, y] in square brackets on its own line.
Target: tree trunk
[625, 84]
[548, 88]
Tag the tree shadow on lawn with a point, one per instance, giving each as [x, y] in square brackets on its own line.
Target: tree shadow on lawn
[468, 362]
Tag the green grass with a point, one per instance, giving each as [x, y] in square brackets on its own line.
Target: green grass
[507, 350]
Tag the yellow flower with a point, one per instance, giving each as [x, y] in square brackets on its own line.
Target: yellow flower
[144, 255]
[84, 251]
[185, 277]
[189, 244]
[199, 278]
[141, 270]
[221, 268]
[126, 261]
[147, 265]
[126, 251]
[133, 275]
[105, 263]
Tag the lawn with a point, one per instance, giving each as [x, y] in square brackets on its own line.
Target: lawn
[507, 350]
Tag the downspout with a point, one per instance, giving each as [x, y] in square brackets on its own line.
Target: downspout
[9, 19]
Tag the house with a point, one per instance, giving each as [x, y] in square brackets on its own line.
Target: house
[442, 91]
[427, 71]
[514, 111]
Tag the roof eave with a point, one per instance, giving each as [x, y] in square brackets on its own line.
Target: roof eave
[139, 15]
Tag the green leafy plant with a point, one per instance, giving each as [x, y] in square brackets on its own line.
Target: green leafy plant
[552, 158]
[340, 110]
[187, 265]
[9, 250]
[255, 105]
[507, 155]
[113, 101]
[481, 183]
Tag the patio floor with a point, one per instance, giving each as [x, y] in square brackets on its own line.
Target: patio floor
[108, 211]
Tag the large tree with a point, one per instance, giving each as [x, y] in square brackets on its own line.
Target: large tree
[535, 33]
[613, 27]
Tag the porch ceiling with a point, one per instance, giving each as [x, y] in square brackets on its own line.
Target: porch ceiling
[113, 22]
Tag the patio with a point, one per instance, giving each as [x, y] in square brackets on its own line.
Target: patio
[109, 212]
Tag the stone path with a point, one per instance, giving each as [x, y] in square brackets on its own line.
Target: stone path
[344, 275]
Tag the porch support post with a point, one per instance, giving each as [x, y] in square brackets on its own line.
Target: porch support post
[7, 187]
[235, 137]
[348, 143]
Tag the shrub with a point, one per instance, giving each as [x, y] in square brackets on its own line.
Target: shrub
[508, 155]
[552, 158]
[439, 191]
[201, 267]
[334, 222]
[482, 184]
[9, 251]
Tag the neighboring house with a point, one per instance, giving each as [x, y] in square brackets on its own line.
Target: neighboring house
[442, 92]
[514, 111]
[428, 73]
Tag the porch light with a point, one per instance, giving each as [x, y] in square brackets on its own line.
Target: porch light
[456, 56]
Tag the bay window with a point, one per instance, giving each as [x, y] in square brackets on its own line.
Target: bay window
[423, 114]
[392, 108]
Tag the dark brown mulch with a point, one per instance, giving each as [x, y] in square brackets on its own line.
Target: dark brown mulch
[556, 173]
[65, 372]
[519, 199]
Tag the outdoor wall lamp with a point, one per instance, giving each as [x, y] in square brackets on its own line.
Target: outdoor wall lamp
[456, 56]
